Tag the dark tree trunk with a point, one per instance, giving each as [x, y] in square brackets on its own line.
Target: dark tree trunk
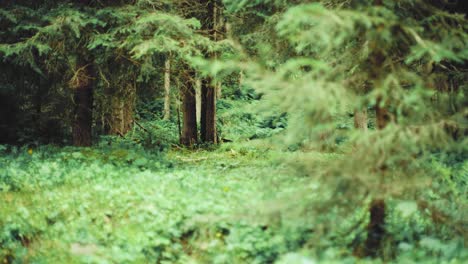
[83, 119]
[375, 228]
[208, 91]
[189, 111]
[377, 209]
[208, 112]
[38, 102]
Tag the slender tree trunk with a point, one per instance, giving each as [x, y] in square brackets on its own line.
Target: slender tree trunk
[39, 97]
[376, 227]
[218, 90]
[208, 113]
[107, 109]
[217, 25]
[167, 89]
[203, 90]
[208, 91]
[179, 123]
[198, 92]
[189, 110]
[377, 210]
[360, 120]
[116, 124]
[83, 98]
[122, 110]
[129, 107]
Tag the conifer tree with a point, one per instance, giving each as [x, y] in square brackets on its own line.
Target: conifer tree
[348, 56]
[107, 47]
[82, 85]
[189, 133]
[167, 89]
[208, 89]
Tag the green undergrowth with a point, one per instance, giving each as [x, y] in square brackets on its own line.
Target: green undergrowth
[248, 120]
[118, 205]
[238, 203]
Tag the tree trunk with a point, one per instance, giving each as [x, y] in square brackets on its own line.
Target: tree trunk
[122, 110]
[360, 120]
[377, 210]
[83, 98]
[167, 89]
[189, 110]
[217, 25]
[376, 227]
[218, 90]
[208, 113]
[208, 91]
[39, 100]
[129, 108]
[116, 122]
[198, 92]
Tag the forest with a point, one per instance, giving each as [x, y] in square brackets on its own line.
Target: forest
[234, 131]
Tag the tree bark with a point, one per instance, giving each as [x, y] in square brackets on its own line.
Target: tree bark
[129, 108]
[198, 85]
[219, 90]
[208, 91]
[377, 210]
[376, 227]
[167, 89]
[208, 113]
[216, 28]
[189, 110]
[83, 118]
[120, 120]
[38, 101]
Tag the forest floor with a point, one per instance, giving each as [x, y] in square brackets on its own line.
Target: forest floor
[114, 206]
[240, 203]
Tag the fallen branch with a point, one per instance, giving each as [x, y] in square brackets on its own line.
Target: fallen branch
[140, 126]
[191, 160]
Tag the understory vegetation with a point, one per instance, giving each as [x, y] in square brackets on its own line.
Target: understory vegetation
[224, 131]
[123, 201]
[237, 204]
